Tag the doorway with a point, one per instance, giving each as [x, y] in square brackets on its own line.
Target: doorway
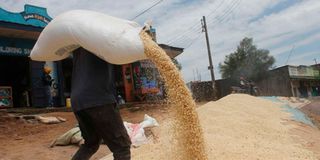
[14, 72]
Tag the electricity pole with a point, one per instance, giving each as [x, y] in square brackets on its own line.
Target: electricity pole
[205, 30]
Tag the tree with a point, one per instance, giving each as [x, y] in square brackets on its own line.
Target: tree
[247, 61]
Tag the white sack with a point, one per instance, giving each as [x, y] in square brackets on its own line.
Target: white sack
[149, 122]
[136, 134]
[136, 131]
[114, 40]
[50, 120]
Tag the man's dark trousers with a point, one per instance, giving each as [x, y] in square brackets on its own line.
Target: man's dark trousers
[102, 123]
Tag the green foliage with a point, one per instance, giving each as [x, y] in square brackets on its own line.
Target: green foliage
[247, 61]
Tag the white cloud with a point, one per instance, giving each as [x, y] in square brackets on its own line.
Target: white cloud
[299, 43]
[267, 32]
[297, 59]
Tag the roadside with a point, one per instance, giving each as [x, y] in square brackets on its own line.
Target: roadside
[313, 111]
[21, 140]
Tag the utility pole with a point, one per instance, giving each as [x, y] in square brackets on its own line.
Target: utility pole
[205, 30]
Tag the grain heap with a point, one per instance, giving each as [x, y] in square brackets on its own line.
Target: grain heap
[240, 126]
[188, 134]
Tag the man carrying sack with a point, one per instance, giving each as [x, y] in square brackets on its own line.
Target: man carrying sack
[94, 105]
[96, 43]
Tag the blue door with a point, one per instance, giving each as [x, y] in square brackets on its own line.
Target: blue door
[39, 96]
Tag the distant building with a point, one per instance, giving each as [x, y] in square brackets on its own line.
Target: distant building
[289, 81]
[296, 81]
[21, 81]
[201, 90]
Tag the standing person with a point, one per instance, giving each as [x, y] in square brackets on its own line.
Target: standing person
[47, 80]
[94, 105]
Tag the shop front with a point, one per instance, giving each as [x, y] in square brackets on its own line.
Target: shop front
[141, 79]
[305, 81]
[21, 79]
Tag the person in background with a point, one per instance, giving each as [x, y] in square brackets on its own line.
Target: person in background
[94, 104]
[47, 81]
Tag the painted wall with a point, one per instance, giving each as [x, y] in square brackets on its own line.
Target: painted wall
[277, 83]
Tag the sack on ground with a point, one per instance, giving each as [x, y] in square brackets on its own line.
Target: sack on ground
[136, 131]
[73, 136]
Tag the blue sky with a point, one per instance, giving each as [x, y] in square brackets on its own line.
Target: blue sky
[281, 26]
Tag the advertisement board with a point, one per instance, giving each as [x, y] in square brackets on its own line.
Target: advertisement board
[303, 71]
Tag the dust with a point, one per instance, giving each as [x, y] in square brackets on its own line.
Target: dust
[187, 138]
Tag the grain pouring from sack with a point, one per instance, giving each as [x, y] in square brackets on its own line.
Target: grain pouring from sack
[188, 132]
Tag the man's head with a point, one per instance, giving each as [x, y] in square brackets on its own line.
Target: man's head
[47, 69]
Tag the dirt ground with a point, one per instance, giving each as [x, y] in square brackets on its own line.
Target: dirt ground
[20, 140]
[313, 141]
[313, 111]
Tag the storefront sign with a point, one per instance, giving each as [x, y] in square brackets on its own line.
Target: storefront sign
[31, 16]
[15, 51]
[303, 71]
[15, 46]
[36, 16]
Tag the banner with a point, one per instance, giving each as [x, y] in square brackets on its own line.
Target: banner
[15, 46]
[303, 71]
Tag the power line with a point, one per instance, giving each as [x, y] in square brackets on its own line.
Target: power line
[146, 10]
[192, 41]
[185, 38]
[290, 54]
[193, 26]
[227, 12]
[215, 9]
[233, 5]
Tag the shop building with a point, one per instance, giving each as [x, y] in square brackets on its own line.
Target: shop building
[142, 79]
[288, 81]
[296, 81]
[21, 79]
